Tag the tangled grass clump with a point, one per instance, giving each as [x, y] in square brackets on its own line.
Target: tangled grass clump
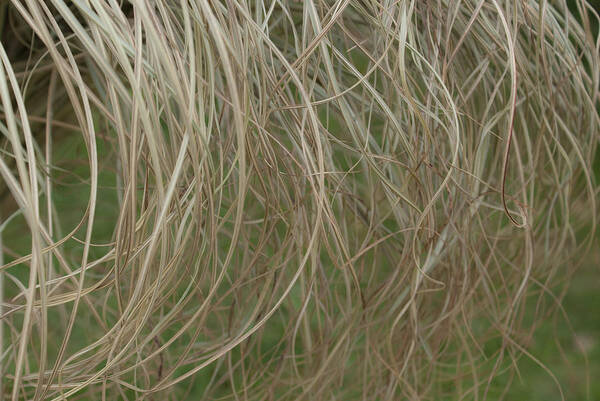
[272, 200]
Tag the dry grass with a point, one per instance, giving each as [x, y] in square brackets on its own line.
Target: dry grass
[320, 199]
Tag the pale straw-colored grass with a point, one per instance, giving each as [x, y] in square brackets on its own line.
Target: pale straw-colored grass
[271, 200]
